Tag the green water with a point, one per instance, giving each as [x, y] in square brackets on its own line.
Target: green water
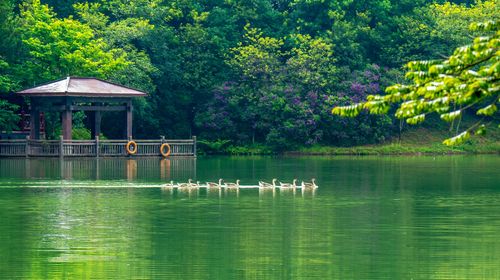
[371, 218]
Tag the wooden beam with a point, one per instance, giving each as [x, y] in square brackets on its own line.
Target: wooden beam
[53, 108]
[102, 108]
[101, 99]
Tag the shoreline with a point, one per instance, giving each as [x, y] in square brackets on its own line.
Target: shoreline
[435, 148]
[401, 149]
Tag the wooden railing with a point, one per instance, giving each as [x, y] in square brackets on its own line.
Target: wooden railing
[93, 148]
[13, 147]
[43, 148]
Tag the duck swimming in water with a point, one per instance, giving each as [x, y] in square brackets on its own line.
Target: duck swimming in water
[233, 185]
[187, 185]
[310, 186]
[289, 185]
[169, 185]
[263, 184]
[215, 185]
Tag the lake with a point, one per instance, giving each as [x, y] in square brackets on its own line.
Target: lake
[371, 218]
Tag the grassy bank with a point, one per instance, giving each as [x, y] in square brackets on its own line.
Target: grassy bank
[401, 149]
[416, 141]
[395, 148]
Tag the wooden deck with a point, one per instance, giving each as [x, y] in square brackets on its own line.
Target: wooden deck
[94, 148]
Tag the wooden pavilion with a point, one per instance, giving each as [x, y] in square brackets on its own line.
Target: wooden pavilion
[95, 96]
[80, 94]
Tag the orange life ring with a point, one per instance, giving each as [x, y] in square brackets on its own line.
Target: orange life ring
[162, 148]
[131, 147]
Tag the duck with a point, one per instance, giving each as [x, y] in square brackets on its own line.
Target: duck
[263, 184]
[194, 185]
[168, 185]
[311, 185]
[233, 185]
[215, 185]
[186, 185]
[288, 185]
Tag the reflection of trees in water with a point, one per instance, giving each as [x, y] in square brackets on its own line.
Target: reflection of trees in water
[73, 233]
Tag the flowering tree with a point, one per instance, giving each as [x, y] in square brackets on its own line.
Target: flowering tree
[279, 93]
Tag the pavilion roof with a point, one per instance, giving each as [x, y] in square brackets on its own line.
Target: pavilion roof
[82, 87]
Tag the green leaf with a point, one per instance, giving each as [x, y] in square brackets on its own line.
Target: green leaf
[459, 139]
[481, 130]
[488, 110]
[451, 116]
[416, 120]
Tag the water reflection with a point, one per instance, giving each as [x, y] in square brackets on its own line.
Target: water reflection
[131, 169]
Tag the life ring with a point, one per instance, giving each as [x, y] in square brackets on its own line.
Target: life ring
[162, 150]
[131, 147]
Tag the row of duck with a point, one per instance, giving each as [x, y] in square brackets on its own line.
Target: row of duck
[235, 185]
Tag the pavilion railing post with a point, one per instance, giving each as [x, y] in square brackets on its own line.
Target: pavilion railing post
[61, 147]
[97, 146]
[129, 138]
[194, 146]
[27, 148]
[162, 140]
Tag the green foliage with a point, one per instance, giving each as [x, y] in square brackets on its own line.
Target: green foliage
[258, 57]
[8, 118]
[253, 149]
[213, 147]
[277, 91]
[53, 128]
[81, 133]
[7, 82]
[468, 77]
[452, 21]
[400, 149]
[221, 146]
[431, 32]
[60, 47]
[312, 63]
[120, 35]
[251, 72]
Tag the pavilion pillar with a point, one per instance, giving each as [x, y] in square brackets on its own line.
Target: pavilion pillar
[91, 117]
[67, 121]
[129, 119]
[34, 121]
[95, 129]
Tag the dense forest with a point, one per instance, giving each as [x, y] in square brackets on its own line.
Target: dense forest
[249, 71]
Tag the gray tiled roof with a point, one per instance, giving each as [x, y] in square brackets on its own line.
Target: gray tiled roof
[77, 86]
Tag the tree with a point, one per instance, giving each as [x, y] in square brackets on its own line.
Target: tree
[278, 94]
[126, 31]
[55, 47]
[8, 42]
[60, 47]
[468, 79]
[430, 32]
